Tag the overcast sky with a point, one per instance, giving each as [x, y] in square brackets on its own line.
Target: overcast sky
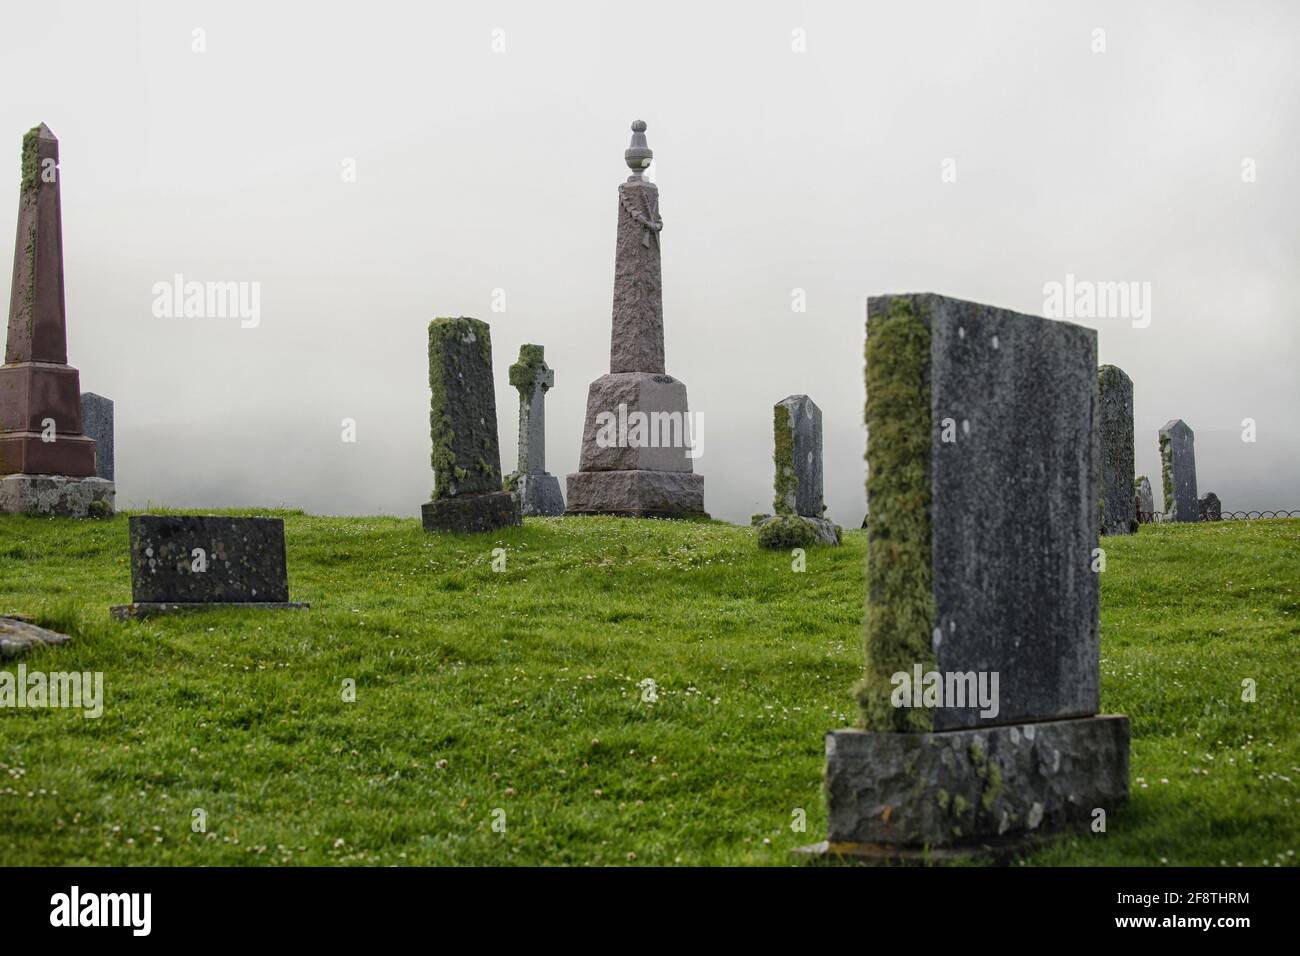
[479, 169]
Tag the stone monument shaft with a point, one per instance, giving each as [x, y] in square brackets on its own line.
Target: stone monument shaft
[637, 338]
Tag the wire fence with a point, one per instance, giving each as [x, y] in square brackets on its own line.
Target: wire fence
[1158, 517]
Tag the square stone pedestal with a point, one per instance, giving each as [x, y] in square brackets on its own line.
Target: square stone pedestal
[56, 495]
[900, 797]
[637, 494]
[466, 514]
[538, 494]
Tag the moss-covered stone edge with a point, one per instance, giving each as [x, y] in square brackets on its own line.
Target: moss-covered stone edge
[523, 374]
[786, 481]
[442, 457]
[900, 597]
[1167, 473]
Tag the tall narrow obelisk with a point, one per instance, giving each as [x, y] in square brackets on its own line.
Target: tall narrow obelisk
[639, 439]
[47, 466]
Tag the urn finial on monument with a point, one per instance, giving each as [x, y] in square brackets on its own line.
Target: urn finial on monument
[638, 154]
[47, 465]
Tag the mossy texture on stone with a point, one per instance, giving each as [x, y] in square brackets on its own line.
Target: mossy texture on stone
[462, 408]
[787, 481]
[523, 374]
[31, 163]
[786, 531]
[900, 601]
[1167, 474]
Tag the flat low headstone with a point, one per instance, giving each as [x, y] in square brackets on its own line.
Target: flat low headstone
[1178, 470]
[181, 562]
[97, 424]
[537, 490]
[18, 635]
[1209, 507]
[1116, 423]
[981, 689]
[1143, 500]
[467, 488]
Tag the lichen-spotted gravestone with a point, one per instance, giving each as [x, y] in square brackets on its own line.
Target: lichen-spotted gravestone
[623, 470]
[467, 492]
[1143, 500]
[538, 492]
[1178, 470]
[182, 562]
[982, 648]
[47, 465]
[1116, 411]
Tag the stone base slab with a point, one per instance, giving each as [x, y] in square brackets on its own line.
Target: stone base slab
[20, 634]
[637, 494]
[468, 514]
[825, 531]
[71, 497]
[140, 609]
[539, 495]
[896, 794]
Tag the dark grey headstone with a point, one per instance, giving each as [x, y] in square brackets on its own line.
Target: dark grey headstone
[1209, 507]
[463, 430]
[1143, 499]
[972, 411]
[242, 560]
[1178, 470]
[1116, 423]
[97, 424]
[797, 437]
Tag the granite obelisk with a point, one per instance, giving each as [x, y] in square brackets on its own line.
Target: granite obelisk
[639, 439]
[47, 466]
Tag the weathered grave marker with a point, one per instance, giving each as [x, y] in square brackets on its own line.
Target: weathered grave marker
[47, 465]
[1116, 411]
[538, 492]
[467, 490]
[636, 444]
[185, 562]
[97, 425]
[1178, 470]
[797, 462]
[982, 681]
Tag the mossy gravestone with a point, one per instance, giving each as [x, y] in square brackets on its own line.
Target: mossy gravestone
[1178, 470]
[183, 562]
[797, 462]
[1118, 516]
[467, 492]
[1143, 500]
[982, 646]
[537, 491]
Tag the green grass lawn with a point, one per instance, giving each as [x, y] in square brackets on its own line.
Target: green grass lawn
[521, 691]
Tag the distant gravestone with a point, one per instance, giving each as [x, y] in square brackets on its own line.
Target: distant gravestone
[1116, 423]
[97, 424]
[467, 491]
[1178, 470]
[1209, 508]
[538, 492]
[981, 690]
[1144, 500]
[797, 463]
[183, 562]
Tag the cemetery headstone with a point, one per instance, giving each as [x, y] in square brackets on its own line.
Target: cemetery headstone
[47, 465]
[1209, 508]
[186, 562]
[797, 461]
[637, 451]
[1116, 410]
[97, 425]
[538, 492]
[1144, 500]
[1178, 470]
[981, 690]
[467, 491]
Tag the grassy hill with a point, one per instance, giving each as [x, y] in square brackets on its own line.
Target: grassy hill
[523, 691]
